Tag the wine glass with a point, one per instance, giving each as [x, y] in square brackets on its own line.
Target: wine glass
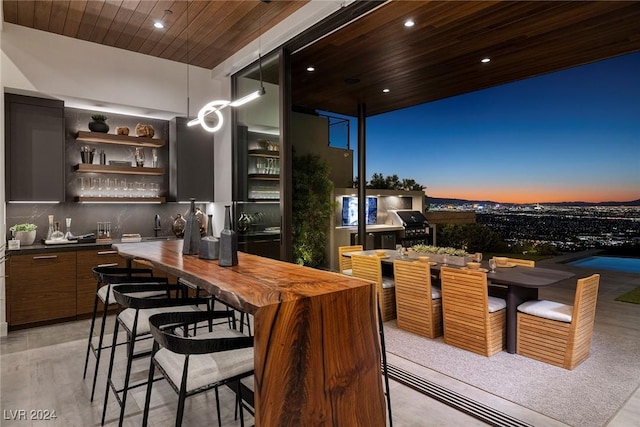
[492, 265]
[479, 256]
[445, 259]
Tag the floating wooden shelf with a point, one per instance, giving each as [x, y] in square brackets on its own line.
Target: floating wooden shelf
[86, 199]
[123, 170]
[263, 200]
[108, 138]
[263, 153]
[264, 177]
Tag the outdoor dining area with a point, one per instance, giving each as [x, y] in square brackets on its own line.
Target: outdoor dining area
[481, 306]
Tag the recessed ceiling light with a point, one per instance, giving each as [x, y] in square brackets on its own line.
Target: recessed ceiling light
[409, 23]
[485, 60]
[385, 90]
[158, 24]
[311, 68]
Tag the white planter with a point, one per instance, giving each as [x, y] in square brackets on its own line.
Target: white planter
[439, 258]
[26, 237]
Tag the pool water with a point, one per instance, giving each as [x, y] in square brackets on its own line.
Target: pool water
[629, 265]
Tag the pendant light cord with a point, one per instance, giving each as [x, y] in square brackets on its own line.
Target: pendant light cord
[188, 59]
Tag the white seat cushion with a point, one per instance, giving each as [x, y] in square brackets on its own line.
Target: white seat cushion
[388, 283]
[496, 304]
[127, 316]
[205, 369]
[102, 294]
[348, 272]
[435, 293]
[548, 309]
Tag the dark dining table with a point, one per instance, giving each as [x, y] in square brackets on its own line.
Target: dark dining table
[522, 285]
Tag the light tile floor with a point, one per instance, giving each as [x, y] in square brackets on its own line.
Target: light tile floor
[41, 369]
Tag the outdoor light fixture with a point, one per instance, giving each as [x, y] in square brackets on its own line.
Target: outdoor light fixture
[386, 90]
[311, 68]
[409, 23]
[159, 24]
[485, 60]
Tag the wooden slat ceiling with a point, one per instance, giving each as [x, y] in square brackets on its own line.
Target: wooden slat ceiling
[215, 30]
[437, 58]
[440, 56]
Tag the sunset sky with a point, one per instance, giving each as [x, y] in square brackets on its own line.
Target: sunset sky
[572, 135]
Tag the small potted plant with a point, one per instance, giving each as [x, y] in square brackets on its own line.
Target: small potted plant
[26, 233]
[98, 123]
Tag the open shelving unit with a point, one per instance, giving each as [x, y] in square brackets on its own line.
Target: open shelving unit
[123, 170]
[108, 138]
[93, 199]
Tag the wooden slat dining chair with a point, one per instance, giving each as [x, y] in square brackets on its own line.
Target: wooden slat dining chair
[472, 319]
[370, 268]
[344, 263]
[556, 333]
[522, 262]
[418, 304]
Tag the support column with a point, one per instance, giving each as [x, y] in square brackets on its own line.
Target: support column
[362, 174]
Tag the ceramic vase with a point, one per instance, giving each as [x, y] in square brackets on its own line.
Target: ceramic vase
[98, 126]
[191, 244]
[178, 226]
[228, 242]
[209, 245]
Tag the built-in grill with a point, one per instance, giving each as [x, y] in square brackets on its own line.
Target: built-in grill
[416, 228]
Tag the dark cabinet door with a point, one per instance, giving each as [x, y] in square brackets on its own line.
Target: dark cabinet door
[34, 149]
[191, 162]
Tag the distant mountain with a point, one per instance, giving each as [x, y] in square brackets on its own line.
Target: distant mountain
[452, 201]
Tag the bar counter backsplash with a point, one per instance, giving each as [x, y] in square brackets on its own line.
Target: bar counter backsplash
[124, 218]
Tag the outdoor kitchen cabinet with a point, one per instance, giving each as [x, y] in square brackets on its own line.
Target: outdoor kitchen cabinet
[35, 152]
[41, 287]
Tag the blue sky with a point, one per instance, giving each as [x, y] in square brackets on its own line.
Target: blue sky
[572, 135]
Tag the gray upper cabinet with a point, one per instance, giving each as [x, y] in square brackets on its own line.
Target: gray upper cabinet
[35, 154]
[191, 154]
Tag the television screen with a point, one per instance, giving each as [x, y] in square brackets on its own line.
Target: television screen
[350, 210]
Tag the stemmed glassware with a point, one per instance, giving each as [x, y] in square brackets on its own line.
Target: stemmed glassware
[445, 259]
[492, 265]
[479, 256]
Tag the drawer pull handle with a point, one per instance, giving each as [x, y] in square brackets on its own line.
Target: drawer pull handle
[114, 264]
[107, 252]
[45, 257]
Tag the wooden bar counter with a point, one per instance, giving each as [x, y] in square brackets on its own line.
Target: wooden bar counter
[317, 351]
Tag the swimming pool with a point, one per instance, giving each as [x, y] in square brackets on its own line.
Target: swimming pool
[629, 265]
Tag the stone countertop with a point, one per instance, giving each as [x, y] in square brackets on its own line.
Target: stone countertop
[39, 248]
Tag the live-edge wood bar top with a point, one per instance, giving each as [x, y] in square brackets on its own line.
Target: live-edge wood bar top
[317, 351]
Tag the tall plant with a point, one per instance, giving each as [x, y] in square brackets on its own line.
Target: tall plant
[313, 207]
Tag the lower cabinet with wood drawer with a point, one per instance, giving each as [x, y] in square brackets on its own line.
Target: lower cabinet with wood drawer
[41, 287]
[86, 283]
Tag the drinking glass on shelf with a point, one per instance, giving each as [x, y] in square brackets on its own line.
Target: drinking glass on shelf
[139, 157]
[492, 265]
[82, 185]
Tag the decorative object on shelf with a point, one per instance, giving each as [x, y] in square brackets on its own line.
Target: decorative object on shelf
[209, 245]
[191, 244]
[154, 158]
[145, 130]
[228, 242]
[178, 226]
[202, 222]
[86, 154]
[122, 130]
[244, 223]
[26, 233]
[98, 123]
[139, 157]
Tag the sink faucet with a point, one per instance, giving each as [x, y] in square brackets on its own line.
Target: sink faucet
[156, 225]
